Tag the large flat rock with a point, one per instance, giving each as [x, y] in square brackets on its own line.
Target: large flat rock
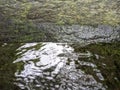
[77, 33]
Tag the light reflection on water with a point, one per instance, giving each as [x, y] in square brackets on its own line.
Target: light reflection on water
[52, 66]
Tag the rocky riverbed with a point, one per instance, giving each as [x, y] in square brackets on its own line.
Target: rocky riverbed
[58, 20]
[50, 32]
[81, 34]
[61, 66]
[59, 44]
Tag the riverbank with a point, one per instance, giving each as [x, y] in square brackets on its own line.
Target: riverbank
[55, 20]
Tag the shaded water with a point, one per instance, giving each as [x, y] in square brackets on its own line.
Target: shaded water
[59, 66]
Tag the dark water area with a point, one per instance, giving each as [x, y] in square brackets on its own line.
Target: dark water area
[59, 66]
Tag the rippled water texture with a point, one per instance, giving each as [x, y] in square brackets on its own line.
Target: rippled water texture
[54, 68]
[57, 66]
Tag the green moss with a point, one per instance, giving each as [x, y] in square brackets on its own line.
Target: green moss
[108, 62]
[90, 12]
[102, 49]
[20, 66]
[7, 68]
[18, 17]
[81, 13]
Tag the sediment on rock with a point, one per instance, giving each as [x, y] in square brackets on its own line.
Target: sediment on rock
[77, 33]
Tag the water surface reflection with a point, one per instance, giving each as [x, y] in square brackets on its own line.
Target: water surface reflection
[56, 66]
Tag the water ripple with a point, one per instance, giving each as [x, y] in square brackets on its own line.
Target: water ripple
[52, 66]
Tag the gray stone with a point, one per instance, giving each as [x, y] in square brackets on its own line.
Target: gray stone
[80, 34]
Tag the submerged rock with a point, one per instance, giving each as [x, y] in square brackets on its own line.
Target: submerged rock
[82, 34]
[60, 66]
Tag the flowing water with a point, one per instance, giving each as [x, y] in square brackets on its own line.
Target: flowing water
[58, 66]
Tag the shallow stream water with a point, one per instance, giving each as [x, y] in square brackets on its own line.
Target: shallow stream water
[59, 66]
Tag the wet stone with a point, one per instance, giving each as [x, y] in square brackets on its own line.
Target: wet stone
[79, 69]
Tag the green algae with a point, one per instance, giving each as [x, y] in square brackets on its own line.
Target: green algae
[107, 61]
[18, 19]
[83, 12]
[7, 68]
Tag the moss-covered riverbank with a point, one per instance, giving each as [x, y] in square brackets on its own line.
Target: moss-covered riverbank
[107, 57]
[88, 12]
[19, 19]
